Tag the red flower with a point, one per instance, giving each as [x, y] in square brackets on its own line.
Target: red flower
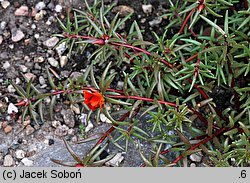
[93, 100]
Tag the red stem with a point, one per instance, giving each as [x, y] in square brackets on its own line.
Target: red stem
[111, 129]
[245, 3]
[185, 21]
[141, 98]
[202, 118]
[217, 133]
[130, 46]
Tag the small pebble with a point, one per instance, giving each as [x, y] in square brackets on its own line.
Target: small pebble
[26, 122]
[63, 61]
[20, 154]
[83, 119]
[147, 8]
[3, 25]
[18, 81]
[22, 11]
[155, 21]
[192, 165]
[123, 10]
[11, 89]
[68, 117]
[20, 140]
[27, 162]
[41, 80]
[23, 68]
[51, 142]
[8, 161]
[58, 8]
[30, 76]
[16, 35]
[6, 65]
[12, 108]
[89, 127]
[39, 15]
[51, 5]
[4, 124]
[60, 49]
[7, 129]
[61, 130]
[5, 4]
[33, 26]
[55, 123]
[51, 42]
[120, 84]
[71, 131]
[29, 130]
[33, 12]
[75, 108]
[115, 161]
[103, 118]
[74, 139]
[196, 157]
[39, 59]
[53, 62]
[11, 46]
[40, 6]
[1, 39]
[36, 36]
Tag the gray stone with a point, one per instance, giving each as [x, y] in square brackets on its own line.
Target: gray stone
[40, 6]
[53, 62]
[68, 117]
[38, 59]
[61, 130]
[5, 4]
[51, 5]
[23, 68]
[20, 154]
[3, 25]
[18, 81]
[36, 36]
[17, 35]
[71, 132]
[41, 80]
[60, 49]
[196, 157]
[58, 8]
[192, 165]
[120, 84]
[51, 42]
[147, 8]
[89, 126]
[6, 65]
[30, 76]
[33, 26]
[75, 75]
[1, 39]
[115, 161]
[8, 161]
[29, 130]
[155, 21]
[11, 89]
[27, 162]
[55, 123]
